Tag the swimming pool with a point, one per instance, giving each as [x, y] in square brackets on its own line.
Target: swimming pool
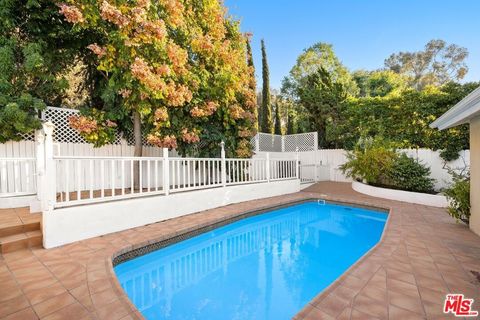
[267, 266]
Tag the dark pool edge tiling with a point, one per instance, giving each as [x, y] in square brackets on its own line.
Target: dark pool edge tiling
[150, 247]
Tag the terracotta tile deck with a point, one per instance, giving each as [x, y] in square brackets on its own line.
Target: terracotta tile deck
[423, 255]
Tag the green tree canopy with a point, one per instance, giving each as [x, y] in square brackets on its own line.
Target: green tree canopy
[404, 119]
[379, 83]
[323, 98]
[320, 55]
[36, 49]
[437, 64]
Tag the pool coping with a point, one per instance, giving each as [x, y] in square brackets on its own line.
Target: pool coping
[145, 247]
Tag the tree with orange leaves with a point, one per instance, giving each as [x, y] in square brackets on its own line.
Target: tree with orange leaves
[176, 72]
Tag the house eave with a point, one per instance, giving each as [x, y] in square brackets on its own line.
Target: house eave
[467, 109]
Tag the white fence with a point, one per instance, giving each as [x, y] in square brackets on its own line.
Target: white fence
[18, 171]
[17, 176]
[109, 168]
[323, 165]
[71, 180]
[79, 180]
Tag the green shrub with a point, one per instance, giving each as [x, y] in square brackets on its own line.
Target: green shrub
[375, 162]
[370, 161]
[409, 174]
[451, 152]
[458, 196]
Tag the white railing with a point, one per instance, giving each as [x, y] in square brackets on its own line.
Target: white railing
[81, 180]
[246, 171]
[92, 179]
[194, 173]
[281, 169]
[17, 176]
[63, 181]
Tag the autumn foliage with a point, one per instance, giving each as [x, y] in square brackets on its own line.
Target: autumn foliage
[180, 63]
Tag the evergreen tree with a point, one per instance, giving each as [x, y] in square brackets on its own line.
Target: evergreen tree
[266, 109]
[252, 84]
[278, 121]
[290, 129]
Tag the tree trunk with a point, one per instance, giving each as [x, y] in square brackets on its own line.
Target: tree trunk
[137, 133]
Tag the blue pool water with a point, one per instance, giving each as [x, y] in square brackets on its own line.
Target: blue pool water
[264, 267]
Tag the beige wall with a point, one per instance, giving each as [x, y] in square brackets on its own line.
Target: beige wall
[475, 174]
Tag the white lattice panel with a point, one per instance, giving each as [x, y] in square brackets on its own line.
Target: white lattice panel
[264, 142]
[59, 117]
[63, 132]
[269, 142]
[302, 141]
[28, 136]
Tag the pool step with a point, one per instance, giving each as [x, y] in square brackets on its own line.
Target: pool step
[20, 236]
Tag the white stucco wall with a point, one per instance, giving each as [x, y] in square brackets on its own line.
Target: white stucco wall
[66, 225]
[475, 174]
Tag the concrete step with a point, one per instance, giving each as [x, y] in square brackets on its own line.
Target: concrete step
[20, 241]
[18, 227]
[19, 235]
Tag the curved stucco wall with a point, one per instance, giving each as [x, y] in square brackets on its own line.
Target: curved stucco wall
[400, 195]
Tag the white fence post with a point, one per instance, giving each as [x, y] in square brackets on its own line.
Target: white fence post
[297, 165]
[50, 179]
[166, 172]
[283, 143]
[40, 166]
[267, 166]
[223, 164]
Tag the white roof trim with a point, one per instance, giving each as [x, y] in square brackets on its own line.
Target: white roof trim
[460, 113]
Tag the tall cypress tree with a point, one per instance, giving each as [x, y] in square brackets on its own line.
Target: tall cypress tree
[278, 122]
[252, 84]
[266, 110]
[290, 129]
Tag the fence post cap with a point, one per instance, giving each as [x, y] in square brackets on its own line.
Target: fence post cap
[48, 127]
[39, 136]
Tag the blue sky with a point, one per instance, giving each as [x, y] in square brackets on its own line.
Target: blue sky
[363, 32]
